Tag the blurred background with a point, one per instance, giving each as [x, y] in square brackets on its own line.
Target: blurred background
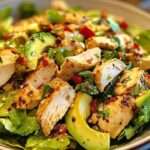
[144, 4]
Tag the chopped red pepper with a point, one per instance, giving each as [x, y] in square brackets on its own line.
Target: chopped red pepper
[21, 60]
[86, 32]
[46, 27]
[136, 46]
[147, 76]
[7, 36]
[77, 79]
[66, 28]
[59, 129]
[45, 62]
[124, 25]
[93, 106]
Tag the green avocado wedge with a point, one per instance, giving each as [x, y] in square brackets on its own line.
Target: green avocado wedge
[143, 99]
[34, 47]
[87, 137]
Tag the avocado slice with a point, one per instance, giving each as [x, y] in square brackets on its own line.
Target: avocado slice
[87, 137]
[143, 99]
[34, 47]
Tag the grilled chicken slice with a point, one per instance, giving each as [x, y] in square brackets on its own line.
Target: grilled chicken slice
[54, 107]
[29, 96]
[105, 42]
[125, 41]
[83, 61]
[120, 112]
[119, 40]
[132, 81]
[7, 65]
[107, 72]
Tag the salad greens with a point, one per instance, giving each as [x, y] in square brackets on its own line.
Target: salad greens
[27, 9]
[18, 123]
[42, 143]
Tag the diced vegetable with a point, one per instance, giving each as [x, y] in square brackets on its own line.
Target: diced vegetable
[124, 25]
[86, 32]
[54, 16]
[88, 88]
[27, 9]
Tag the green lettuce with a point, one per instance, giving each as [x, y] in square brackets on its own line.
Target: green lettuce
[20, 123]
[43, 143]
[144, 40]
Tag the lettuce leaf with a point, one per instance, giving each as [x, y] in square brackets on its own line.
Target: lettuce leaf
[20, 123]
[144, 40]
[9, 142]
[42, 143]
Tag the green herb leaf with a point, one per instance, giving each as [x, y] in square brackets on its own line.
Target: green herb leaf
[87, 75]
[54, 16]
[27, 9]
[46, 90]
[104, 113]
[88, 88]
[5, 13]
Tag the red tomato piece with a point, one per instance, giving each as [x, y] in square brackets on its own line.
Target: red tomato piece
[93, 106]
[77, 79]
[86, 32]
[124, 25]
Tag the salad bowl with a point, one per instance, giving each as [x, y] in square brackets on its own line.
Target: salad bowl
[133, 15]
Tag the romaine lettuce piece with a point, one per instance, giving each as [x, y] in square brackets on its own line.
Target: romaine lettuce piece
[144, 40]
[42, 143]
[20, 123]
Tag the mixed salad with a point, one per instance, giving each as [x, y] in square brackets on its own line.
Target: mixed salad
[72, 79]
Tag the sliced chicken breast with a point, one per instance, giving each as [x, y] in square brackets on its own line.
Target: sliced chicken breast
[83, 61]
[54, 107]
[131, 80]
[7, 65]
[29, 96]
[107, 72]
[120, 112]
[105, 42]
[125, 40]
[119, 40]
